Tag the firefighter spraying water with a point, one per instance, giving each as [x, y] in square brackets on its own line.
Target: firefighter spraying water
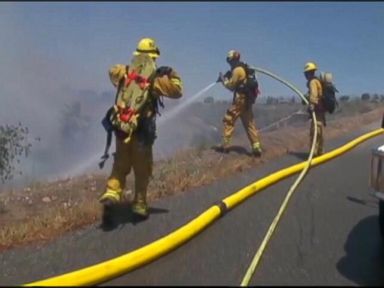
[242, 81]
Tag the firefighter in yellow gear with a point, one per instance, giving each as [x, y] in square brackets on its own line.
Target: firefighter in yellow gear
[137, 153]
[315, 98]
[241, 105]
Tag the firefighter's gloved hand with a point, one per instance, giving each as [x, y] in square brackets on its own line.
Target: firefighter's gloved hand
[311, 108]
[306, 97]
[228, 74]
[163, 70]
[220, 78]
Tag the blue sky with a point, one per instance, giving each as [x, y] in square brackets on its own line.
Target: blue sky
[73, 44]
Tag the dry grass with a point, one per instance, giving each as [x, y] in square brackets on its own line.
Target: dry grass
[45, 211]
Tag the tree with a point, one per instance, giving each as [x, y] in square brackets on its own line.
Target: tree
[375, 98]
[209, 99]
[74, 124]
[344, 98]
[365, 97]
[272, 100]
[13, 143]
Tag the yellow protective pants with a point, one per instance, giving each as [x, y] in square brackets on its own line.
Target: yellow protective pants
[240, 108]
[132, 155]
[320, 124]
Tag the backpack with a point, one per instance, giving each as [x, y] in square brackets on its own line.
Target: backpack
[132, 97]
[251, 85]
[329, 92]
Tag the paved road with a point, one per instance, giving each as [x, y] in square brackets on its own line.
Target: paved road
[328, 236]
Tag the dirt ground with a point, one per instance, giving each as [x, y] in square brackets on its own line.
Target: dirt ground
[44, 211]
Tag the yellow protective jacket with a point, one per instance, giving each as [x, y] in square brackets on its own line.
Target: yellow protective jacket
[167, 85]
[170, 86]
[238, 77]
[315, 93]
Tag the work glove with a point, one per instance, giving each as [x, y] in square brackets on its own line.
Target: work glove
[228, 74]
[311, 108]
[220, 78]
[306, 97]
[163, 70]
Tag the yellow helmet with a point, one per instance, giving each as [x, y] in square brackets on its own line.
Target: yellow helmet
[147, 45]
[233, 55]
[310, 66]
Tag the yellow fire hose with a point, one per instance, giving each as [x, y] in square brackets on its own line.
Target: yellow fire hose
[113, 268]
[260, 251]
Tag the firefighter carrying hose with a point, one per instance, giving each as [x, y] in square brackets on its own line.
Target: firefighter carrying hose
[241, 80]
[316, 104]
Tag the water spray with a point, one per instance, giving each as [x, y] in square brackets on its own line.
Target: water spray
[93, 160]
[175, 111]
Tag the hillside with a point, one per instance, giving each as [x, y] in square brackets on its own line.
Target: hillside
[43, 210]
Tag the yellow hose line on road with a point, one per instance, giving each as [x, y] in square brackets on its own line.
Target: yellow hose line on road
[113, 268]
[248, 191]
[256, 259]
[259, 253]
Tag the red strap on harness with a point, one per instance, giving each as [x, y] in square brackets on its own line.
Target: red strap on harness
[140, 80]
[126, 114]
